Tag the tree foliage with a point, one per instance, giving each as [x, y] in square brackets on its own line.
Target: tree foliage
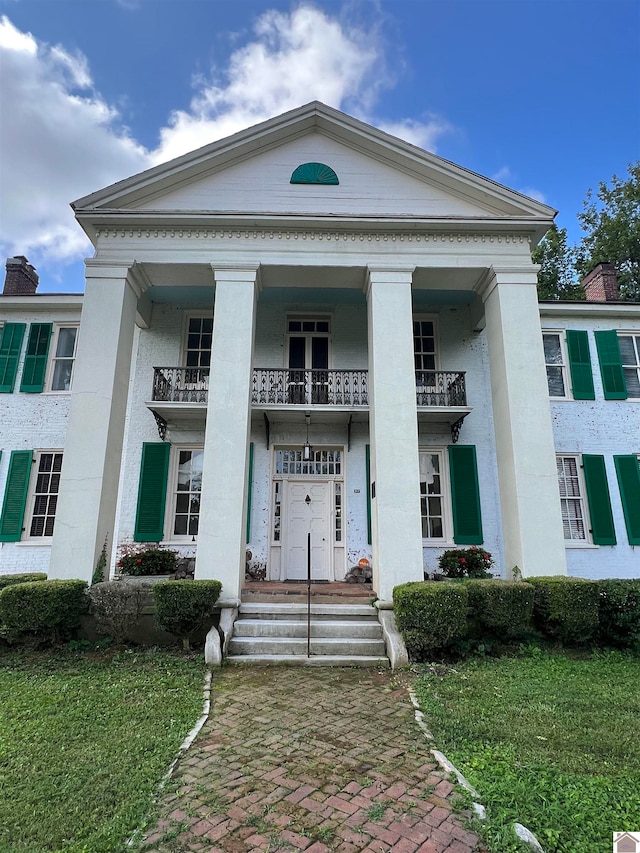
[611, 221]
[557, 278]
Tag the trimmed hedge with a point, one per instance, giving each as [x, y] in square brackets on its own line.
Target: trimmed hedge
[149, 561]
[565, 608]
[501, 608]
[430, 615]
[186, 607]
[10, 580]
[619, 612]
[42, 611]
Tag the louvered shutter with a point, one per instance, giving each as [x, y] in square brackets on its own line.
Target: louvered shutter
[613, 381]
[628, 473]
[595, 477]
[152, 492]
[35, 362]
[15, 495]
[10, 347]
[465, 495]
[580, 365]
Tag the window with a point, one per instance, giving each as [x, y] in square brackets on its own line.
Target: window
[424, 344]
[572, 498]
[44, 494]
[556, 363]
[63, 358]
[186, 495]
[433, 500]
[630, 355]
[322, 463]
[198, 342]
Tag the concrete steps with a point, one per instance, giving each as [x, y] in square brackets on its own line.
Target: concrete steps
[341, 635]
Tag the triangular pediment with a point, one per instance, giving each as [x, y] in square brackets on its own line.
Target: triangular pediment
[378, 176]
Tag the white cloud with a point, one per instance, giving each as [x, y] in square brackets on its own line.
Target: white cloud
[532, 192]
[502, 175]
[58, 141]
[62, 140]
[505, 176]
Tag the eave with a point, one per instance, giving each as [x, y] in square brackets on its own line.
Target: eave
[626, 310]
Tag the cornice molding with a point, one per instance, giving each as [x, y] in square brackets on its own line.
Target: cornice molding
[307, 235]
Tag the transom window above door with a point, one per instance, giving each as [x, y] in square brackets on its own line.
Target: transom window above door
[323, 463]
[309, 325]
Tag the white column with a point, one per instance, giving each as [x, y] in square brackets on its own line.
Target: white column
[223, 504]
[85, 514]
[527, 475]
[395, 509]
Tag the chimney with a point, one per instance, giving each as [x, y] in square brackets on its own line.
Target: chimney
[601, 284]
[21, 279]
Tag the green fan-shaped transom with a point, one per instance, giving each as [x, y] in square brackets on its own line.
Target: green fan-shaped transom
[314, 173]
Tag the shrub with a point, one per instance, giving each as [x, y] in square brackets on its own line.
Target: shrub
[619, 612]
[430, 616]
[471, 562]
[10, 580]
[148, 561]
[501, 608]
[186, 607]
[42, 611]
[117, 607]
[566, 608]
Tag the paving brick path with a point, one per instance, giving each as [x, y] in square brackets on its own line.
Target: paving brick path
[309, 759]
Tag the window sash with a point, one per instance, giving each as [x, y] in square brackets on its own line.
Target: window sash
[198, 341]
[187, 489]
[630, 355]
[433, 495]
[556, 364]
[572, 503]
[61, 370]
[43, 499]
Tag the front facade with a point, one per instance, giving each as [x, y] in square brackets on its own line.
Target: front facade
[312, 337]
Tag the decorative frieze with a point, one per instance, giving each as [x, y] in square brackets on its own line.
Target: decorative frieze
[305, 235]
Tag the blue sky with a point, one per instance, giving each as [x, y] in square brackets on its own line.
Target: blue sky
[542, 95]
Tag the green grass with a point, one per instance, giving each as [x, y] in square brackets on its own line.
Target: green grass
[547, 740]
[85, 738]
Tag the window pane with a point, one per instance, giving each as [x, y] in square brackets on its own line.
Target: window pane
[66, 343]
[61, 380]
[555, 382]
[632, 377]
[180, 526]
[552, 349]
[627, 349]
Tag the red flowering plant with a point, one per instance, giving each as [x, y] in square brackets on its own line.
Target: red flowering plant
[471, 562]
[142, 561]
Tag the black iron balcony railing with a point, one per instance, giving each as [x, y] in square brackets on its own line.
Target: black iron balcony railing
[286, 387]
[440, 388]
[181, 384]
[309, 387]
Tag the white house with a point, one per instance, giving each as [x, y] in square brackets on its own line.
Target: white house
[314, 328]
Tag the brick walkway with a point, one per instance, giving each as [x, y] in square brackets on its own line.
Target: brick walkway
[309, 759]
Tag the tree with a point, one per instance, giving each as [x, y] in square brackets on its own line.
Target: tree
[611, 221]
[557, 276]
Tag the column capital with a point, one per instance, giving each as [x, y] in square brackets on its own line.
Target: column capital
[498, 274]
[236, 272]
[131, 271]
[389, 274]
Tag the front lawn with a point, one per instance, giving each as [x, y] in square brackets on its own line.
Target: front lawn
[548, 740]
[85, 738]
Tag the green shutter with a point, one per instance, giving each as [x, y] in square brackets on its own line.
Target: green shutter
[580, 365]
[15, 495]
[367, 462]
[249, 490]
[595, 477]
[628, 473]
[35, 362]
[465, 495]
[152, 492]
[613, 381]
[10, 346]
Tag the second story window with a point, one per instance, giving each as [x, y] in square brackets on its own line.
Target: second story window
[63, 358]
[556, 363]
[630, 356]
[198, 343]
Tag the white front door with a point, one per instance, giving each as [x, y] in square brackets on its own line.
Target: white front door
[308, 511]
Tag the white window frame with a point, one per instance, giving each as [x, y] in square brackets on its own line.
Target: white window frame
[446, 540]
[587, 541]
[57, 327]
[430, 318]
[566, 379]
[184, 344]
[635, 335]
[311, 318]
[172, 495]
[32, 495]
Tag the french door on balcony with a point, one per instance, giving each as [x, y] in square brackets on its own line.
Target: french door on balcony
[308, 360]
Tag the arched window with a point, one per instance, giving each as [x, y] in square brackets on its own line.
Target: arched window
[314, 173]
